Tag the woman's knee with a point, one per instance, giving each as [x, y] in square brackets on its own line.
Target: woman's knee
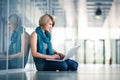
[63, 66]
[73, 65]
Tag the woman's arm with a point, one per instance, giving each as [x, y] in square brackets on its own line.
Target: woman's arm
[33, 44]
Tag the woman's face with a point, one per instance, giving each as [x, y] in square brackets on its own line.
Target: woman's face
[48, 26]
[11, 25]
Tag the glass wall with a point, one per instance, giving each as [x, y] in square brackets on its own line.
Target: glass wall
[19, 18]
[3, 32]
[14, 39]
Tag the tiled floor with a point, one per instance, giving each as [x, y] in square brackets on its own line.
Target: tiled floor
[85, 72]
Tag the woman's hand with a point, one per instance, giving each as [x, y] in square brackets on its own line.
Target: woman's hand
[56, 56]
[61, 55]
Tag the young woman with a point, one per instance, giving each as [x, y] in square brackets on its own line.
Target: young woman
[42, 49]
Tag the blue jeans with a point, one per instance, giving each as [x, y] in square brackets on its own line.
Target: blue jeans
[61, 66]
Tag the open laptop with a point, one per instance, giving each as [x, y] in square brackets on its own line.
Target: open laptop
[70, 53]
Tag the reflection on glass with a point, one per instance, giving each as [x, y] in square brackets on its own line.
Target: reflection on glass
[3, 41]
[14, 76]
[19, 44]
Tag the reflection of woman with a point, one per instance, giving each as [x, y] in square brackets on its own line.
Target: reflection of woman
[41, 48]
[19, 45]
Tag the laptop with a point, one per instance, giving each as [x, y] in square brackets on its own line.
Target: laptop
[70, 53]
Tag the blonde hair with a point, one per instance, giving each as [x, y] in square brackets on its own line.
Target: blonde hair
[45, 19]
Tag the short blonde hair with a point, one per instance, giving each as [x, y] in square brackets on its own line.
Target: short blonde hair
[45, 19]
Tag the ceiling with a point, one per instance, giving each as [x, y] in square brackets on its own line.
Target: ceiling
[54, 7]
[92, 6]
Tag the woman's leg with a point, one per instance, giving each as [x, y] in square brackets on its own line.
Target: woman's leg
[72, 65]
[55, 65]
